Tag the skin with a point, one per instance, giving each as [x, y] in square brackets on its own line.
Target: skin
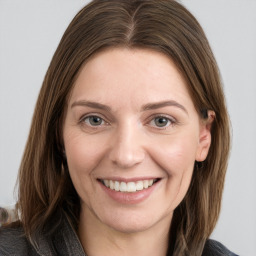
[128, 143]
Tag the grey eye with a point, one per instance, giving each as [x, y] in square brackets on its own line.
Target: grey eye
[160, 122]
[93, 120]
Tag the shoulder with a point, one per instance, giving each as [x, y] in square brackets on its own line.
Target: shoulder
[55, 239]
[13, 242]
[215, 248]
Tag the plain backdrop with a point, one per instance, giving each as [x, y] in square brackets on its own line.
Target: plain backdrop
[30, 31]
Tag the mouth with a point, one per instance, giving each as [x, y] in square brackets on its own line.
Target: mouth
[128, 187]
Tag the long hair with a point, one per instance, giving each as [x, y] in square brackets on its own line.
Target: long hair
[45, 187]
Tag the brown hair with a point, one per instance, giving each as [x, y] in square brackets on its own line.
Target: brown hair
[45, 188]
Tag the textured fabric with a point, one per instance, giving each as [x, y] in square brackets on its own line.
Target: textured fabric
[65, 242]
[214, 248]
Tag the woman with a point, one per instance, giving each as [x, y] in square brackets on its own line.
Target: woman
[129, 142]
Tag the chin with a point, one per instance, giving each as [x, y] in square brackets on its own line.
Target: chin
[133, 222]
[130, 226]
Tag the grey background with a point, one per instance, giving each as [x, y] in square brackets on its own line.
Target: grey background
[29, 34]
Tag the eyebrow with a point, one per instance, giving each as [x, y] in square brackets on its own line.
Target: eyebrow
[162, 104]
[146, 107]
[91, 104]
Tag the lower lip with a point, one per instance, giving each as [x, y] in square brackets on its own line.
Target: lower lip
[130, 197]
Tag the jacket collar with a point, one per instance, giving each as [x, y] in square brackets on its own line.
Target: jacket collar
[63, 241]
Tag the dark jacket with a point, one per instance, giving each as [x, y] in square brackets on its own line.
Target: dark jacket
[64, 241]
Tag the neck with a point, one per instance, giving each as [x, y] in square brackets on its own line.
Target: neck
[98, 239]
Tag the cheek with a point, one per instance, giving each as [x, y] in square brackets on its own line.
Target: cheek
[176, 155]
[83, 156]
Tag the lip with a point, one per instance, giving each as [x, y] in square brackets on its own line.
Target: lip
[130, 198]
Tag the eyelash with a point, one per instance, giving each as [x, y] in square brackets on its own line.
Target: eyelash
[83, 120]
[171, 121]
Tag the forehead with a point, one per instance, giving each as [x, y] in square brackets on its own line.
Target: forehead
[134, 74]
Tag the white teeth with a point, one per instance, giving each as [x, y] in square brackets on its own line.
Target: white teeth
[145, 183]
[111, 184]
[123, 187]
[117, 186]
[139, 185]
[130, 186]
[106, 183]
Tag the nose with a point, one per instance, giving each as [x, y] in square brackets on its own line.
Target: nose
[127, 148]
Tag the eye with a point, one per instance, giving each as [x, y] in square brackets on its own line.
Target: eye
[161, 122]
[93, 121]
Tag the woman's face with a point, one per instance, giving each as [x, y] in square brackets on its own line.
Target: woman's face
[131, 136]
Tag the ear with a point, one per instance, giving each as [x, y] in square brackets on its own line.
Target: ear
[205, 137]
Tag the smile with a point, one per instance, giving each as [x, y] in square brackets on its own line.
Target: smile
[121, 186]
